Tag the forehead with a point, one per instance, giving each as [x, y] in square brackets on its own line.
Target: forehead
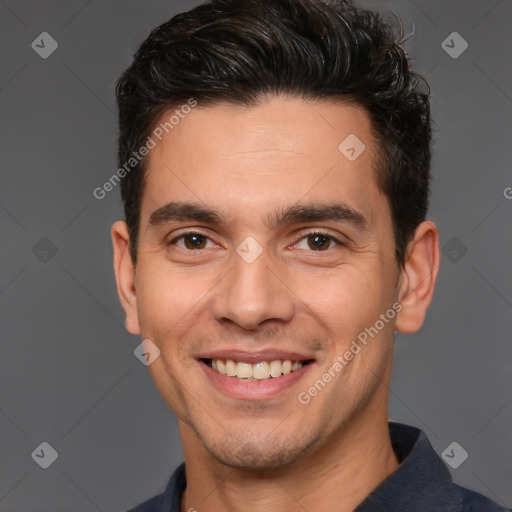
[279, 152]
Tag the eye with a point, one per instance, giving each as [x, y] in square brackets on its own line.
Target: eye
[317, 242]
[192, 241]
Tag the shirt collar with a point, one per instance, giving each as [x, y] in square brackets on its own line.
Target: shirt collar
[420, 483]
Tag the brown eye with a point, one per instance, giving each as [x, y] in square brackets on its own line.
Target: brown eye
[319, 242]
[194, 241]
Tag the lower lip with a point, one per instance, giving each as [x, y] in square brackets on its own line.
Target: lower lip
[253, 389]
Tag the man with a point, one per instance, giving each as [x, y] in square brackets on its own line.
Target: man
[276, 160]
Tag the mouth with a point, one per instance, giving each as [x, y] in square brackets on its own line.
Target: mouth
[261, 375]
[257, 371]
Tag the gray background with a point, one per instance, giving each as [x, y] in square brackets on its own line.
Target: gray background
[68, 375]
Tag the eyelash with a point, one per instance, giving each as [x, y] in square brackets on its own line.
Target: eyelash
[303, 237]
[188, 233]
[319, 233]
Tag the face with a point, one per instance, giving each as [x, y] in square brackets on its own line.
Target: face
[264, 248]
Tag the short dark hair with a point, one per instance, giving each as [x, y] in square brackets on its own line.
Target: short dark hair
[242, 51]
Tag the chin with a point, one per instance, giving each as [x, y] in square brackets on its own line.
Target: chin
[268, 453]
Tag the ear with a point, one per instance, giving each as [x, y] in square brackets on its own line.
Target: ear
[418, 278]
[124, 270]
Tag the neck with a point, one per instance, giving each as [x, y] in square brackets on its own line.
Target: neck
[338, 475]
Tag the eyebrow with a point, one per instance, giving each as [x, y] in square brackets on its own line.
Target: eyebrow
[175, 211]
[319, 212]
[340, 212]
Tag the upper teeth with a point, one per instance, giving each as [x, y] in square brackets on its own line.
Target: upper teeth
[260, 371]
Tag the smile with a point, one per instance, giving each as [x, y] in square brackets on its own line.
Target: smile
[261, 370]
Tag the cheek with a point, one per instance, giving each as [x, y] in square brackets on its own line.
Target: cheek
[165, 300]
[169, 305]
[345, 301]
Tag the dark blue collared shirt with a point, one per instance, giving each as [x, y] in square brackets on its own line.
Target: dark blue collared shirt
[421, 483]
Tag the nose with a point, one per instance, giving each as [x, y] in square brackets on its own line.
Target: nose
[252, 294]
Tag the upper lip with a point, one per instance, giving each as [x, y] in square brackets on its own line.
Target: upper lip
[255, 357]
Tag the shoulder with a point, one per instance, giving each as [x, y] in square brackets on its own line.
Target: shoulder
[472, 501]
[152, 505]
[170, 500]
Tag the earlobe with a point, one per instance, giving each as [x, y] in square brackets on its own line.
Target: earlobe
[124, 270]
[418, 278]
